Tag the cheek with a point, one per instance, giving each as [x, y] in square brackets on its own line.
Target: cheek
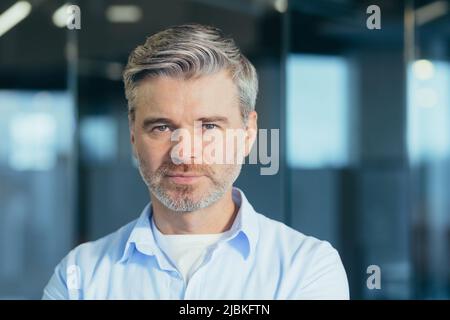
[152, 153]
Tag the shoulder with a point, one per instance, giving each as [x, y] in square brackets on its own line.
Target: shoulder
[89, 256]
[110, 246]
[290, 240]
[79, 265]
[311, 268]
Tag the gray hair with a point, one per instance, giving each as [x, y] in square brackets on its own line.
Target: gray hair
[191, 50]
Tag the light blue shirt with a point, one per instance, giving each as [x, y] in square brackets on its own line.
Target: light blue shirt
[259, 259]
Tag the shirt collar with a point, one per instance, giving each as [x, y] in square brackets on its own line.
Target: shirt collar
[243, 234]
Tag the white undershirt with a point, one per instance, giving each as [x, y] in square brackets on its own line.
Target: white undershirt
[186, 251]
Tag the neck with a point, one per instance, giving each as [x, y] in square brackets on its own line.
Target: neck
[216, 218]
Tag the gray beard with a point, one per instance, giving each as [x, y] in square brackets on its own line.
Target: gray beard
[184, 203]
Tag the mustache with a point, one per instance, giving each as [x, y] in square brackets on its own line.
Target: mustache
[167, 167]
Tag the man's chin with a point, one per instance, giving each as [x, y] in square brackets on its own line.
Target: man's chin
[186, 198]
[183, 201]
[184, 194]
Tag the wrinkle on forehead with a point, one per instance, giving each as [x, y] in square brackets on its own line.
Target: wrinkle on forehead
[177, 97]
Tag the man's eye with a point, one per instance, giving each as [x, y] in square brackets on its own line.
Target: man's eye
[161, 128]
[209, 126]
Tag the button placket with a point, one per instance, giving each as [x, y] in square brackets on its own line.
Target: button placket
[193, 285]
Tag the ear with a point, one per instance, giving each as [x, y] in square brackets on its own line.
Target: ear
[251, 129]
[132, 135]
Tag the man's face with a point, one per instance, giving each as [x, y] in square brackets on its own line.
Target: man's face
[190, 180]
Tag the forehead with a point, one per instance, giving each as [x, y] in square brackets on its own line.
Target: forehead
[199, 96]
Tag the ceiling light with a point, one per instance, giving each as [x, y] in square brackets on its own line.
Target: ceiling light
[60, 16]
[123, 13]
[13, 15]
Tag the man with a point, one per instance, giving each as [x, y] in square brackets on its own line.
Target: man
[199, 237]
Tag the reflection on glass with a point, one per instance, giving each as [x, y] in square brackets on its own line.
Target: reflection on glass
[35, 188]
[428, 110]
[317, 111]
[99, 138]
[429, 150]
[32, 141]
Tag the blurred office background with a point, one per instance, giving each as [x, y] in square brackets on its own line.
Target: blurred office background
[364, 119]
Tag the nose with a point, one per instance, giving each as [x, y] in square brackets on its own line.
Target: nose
[188, 148]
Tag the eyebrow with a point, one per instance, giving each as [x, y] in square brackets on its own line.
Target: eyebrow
[214, 119]
[148, 122]
[151, 121]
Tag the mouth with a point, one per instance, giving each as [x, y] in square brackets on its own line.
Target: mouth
[183, 178]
